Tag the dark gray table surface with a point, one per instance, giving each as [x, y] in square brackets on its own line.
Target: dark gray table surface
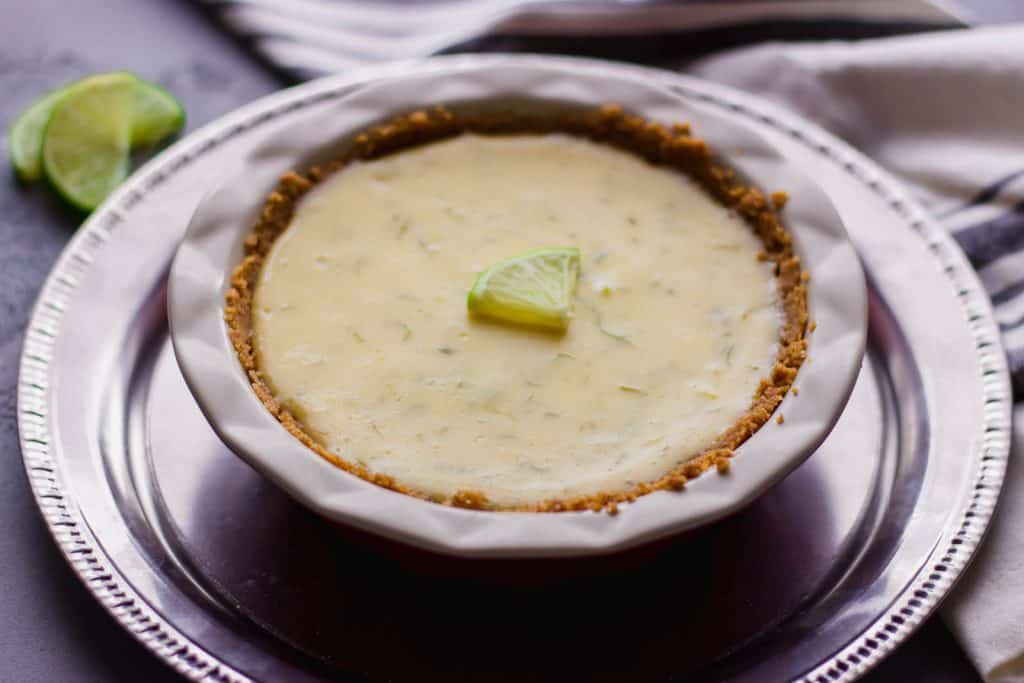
[51, 629]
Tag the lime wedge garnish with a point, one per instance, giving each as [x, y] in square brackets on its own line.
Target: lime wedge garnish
[156, 114]
[534, 289]
[88, 137]
[27, 137]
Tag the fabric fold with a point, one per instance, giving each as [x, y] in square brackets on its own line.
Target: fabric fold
[945, 113]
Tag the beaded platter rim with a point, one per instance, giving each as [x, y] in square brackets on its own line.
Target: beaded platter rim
[100, 574]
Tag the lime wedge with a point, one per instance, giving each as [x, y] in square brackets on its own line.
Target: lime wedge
[534, 289]
[156, 114]
[87, 140]
[27, 137]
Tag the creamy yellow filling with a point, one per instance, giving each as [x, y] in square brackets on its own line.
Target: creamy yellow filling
[361, 325]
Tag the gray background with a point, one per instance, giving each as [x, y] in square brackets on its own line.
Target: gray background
[50, 627]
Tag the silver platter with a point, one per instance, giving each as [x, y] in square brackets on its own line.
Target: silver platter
[226, 579]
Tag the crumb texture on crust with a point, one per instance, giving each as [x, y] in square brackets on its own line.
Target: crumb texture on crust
[673, 147]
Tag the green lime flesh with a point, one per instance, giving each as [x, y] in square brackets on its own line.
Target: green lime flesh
[87, 140]
[156, 115]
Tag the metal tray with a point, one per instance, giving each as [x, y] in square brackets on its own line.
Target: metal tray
[226, 579]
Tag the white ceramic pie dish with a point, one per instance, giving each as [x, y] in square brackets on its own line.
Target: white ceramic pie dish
[200, 273]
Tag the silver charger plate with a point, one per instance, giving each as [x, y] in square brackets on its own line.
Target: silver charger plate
[225, 578]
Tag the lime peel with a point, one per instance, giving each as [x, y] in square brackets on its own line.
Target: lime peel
[26, 136]
[534, 289]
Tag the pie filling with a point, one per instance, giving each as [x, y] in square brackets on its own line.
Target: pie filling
[360, 336]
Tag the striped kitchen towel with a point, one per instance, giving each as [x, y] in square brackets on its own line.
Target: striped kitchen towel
[942, 111]
[307, 38]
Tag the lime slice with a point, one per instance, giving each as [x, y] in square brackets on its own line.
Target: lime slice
[27, 137]
[535, 289]
[157, 115]
[87, 140]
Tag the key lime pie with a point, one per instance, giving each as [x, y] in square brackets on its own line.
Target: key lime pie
[521, 312]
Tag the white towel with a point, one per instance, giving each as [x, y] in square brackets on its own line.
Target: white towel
[945, 112]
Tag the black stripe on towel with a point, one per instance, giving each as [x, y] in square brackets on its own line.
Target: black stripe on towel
[986, 194]
[987, 241]
[1015, 361]
[676, 46]
[1006, 327]
[1007, 293]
